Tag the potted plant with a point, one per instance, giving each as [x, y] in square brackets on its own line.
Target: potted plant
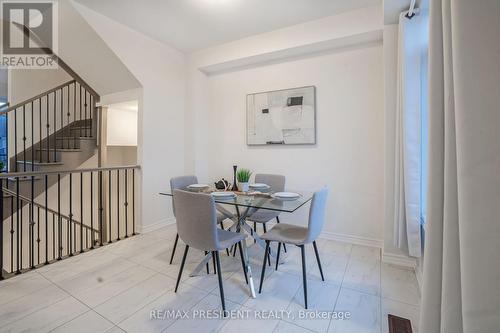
[243, 176]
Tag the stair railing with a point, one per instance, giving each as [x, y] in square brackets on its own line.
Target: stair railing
[50, 121]
[82, 210]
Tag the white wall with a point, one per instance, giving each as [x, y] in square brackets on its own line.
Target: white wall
[88, 55]
[122, 127]
[348, 156]
[348, 75]
[121, 155]
[161, 72]
[27, 83]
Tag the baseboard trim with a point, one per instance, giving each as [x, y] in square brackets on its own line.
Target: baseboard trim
[399, 260]
[357, 240]
[418, 273]
[160, 224]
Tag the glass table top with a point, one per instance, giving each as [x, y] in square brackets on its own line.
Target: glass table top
[260, 201]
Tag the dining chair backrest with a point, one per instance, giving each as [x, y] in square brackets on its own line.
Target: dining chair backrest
[196, 219]
[277, 182]
[179, 183]
[316, 215]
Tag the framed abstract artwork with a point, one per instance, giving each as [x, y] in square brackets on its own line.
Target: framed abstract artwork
[282, 117]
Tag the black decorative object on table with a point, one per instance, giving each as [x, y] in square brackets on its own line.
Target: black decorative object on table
[235, 184]
[222, 184]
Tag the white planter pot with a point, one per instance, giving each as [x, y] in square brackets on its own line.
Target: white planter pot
[244, 187]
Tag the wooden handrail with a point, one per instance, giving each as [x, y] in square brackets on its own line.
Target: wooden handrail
[14, 107]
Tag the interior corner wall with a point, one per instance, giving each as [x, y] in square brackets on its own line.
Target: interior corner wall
[27, 83]
[161, 72]
[348, 155]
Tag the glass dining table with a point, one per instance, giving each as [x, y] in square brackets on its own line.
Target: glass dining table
[246, 204]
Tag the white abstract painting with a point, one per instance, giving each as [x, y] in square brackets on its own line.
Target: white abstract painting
[282, 117]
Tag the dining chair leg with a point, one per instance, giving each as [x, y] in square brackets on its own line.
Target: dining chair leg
[219, 275]
[243, 261]
[266, 252]
[269, 257]
[182, 267]
[208, 269]
[234, 246]
[269, 251]
[222, 227]
[255, 231]
[278, 221]
[304, 277]
[213, 261]
[319, 261]
[173, 249]
[278, 255]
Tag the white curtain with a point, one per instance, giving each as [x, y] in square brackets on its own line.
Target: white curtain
[461, 285]
[408, 171]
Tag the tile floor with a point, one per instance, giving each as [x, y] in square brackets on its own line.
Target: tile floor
[114, 289]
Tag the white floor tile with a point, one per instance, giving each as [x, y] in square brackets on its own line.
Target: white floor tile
[363, 276]
[334, 269]
[321, 297]
[106, 288]
[364, 310]
[21, 285]
[21, 307]
[251, 324]
[90, 321]
[210, 305]
[115, 329]
[152, 318]
[292, 260]
[285, 327]
[235, 288]
[334, 249]
[360, 252]
[277, 292]
[125, 281]
[122, 306]
[48, 318]
[92, 278]
[400, 285]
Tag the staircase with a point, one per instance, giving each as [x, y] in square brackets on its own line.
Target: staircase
[51, 207]
[52, 131]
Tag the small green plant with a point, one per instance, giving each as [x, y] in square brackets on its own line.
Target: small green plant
[243, 175]
[2, 165]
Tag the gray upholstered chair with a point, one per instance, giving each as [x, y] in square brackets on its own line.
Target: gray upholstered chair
[197, 227]
[181, 183]
[277, 183]
[300, 236]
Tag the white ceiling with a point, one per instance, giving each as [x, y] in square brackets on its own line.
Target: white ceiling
[191, 25]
